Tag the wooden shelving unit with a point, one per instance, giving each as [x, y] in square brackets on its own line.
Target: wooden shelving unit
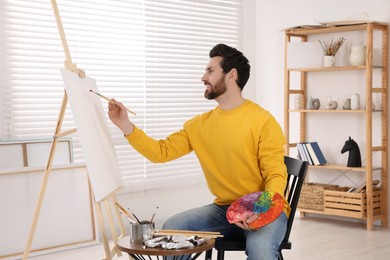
[370, 213]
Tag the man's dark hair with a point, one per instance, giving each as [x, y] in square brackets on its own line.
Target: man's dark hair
[232, 59]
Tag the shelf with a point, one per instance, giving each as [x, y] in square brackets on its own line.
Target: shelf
[330, 111]
[299, 32]
[341, 204]
[376, 217]
[341, 68]
[342, 168]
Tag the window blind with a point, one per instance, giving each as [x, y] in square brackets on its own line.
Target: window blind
[150, 55]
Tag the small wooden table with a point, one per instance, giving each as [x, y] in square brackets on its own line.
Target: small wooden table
[137, 251]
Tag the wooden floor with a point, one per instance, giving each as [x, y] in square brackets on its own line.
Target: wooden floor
[313, 238]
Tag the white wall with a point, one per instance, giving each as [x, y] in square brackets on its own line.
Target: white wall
[249, 46]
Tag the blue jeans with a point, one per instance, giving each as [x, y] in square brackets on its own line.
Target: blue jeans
[261, 244]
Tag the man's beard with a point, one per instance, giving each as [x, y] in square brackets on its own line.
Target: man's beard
[215, 91]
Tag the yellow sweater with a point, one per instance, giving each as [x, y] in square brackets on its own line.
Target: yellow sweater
[240, 150]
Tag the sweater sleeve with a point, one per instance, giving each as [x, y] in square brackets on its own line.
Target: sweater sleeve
[159, 151]
[271, 157]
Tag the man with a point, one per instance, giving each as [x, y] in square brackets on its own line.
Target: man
[240, 149]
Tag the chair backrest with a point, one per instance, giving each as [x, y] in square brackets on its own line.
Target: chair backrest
[296, 170]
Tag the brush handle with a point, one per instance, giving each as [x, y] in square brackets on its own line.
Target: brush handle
[129, 215]
[109, 100]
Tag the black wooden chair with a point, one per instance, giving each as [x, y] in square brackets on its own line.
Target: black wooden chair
[296, 174]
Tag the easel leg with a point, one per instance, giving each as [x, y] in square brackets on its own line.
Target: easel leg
[120, 220]
[110, 253]
[45, 178]
[103, 232]
[36, 216]
[111, 223]
[118, 215]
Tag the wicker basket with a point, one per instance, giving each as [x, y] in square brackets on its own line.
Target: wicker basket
[312, 195]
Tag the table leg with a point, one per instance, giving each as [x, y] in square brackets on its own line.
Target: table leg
[137, 257]
[196, 256]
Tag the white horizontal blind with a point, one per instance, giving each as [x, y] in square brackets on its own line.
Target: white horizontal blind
[179, 36]
[150, 55]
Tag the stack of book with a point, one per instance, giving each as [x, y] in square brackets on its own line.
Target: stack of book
[311, 152]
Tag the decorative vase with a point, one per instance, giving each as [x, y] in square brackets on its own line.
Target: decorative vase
[347, 104]
[357, 56]
[308, 102]
[355, 101]
[332, 105]
[315, 104]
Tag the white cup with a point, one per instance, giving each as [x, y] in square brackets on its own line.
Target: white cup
[329, 61]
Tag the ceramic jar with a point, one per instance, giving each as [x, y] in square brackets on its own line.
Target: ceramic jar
[357, 56]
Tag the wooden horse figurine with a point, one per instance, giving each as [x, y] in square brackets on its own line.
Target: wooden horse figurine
[354, 158]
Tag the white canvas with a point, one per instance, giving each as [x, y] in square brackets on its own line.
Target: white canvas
[66, 218]
[38, 153]
[95, 138]
[11, 156]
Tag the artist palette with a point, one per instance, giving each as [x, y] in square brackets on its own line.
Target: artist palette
[267, 204]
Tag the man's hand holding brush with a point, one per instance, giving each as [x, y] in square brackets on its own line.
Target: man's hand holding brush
[117, 113]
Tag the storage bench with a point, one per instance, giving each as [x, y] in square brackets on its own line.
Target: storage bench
[350, 204]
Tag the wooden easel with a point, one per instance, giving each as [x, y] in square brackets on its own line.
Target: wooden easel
[108, 201]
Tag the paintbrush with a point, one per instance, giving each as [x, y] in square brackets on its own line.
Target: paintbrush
[154, 214]
[163, 232]
[128, 214]
[109, 100]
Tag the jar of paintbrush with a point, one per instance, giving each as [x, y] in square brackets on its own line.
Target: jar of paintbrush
[141, 231]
